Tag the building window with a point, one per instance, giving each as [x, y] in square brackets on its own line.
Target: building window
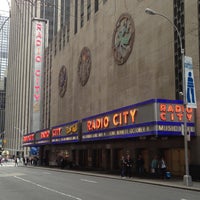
[67, 11]
[68, 31]
[82, 13]
[88, 9]
[55, 46]
[63, 35]
[67, 18]
[60, 40]
[55, 17]
[76, 17]
[96, 6]
[179, 23]
[199, 25]
[62, 16]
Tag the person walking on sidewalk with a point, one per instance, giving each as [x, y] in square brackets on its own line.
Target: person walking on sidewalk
[129, 165]
[163, 167]
[16, 162]
[123, 167]
[140, 165]
[154, 166]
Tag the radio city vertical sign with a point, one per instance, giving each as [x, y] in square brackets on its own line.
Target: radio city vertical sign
[38, 40]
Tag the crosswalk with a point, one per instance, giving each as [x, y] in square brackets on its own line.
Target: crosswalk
[7, 164]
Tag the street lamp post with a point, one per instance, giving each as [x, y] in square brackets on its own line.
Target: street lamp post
[21, 132]
[187, 178]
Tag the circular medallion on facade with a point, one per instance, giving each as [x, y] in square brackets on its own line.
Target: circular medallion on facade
[62, 81]
[123, 38]
[84, 66]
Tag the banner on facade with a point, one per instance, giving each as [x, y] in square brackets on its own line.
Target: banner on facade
[38, 40]
[189, 83]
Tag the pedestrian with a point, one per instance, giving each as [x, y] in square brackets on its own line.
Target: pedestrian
[154, 166]
[140, 165]
[1, 161]
[162, 167]
[123, 167]
[129, 165]
[16, 162]
[25, 160]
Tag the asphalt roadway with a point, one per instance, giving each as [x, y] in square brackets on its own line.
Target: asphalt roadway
[38, 183]
[173, 182]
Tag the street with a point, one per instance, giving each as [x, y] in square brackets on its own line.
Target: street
[41, 184]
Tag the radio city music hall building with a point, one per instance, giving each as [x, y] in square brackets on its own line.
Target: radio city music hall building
[112, 85]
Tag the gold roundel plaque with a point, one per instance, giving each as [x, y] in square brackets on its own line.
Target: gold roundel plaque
[123, 38]
[84, 65]
[62, 81]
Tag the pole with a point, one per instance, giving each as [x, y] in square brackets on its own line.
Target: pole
[187, 179]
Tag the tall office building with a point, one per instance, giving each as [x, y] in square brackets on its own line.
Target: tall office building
[19, 81]
[4, 42]
[19, 76]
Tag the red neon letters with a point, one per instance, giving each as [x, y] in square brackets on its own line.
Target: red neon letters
[45, 134]
[117, 119]
[28, 138]
[174, 112]
[38, 59]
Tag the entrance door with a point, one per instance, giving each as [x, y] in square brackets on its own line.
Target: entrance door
[178, 164]
[83, 158]
[46, 157]
[145, 156]
[97, 158]
[108, 159]
[117, 154]
[74, 156]
[175, 161]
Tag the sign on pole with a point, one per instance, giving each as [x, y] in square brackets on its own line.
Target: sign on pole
[189, 83]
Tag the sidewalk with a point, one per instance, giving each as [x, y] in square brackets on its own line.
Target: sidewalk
[173, 182]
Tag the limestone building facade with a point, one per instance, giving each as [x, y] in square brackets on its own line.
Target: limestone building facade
[117, 73]
[113, 55]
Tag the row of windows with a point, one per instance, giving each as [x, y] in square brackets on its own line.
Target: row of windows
[63, 36]
[2, 100]
[4, 24]
[179, 23]
[199, 21]
[96, 8]
[64, 33]
[4, 54]
[2, 121]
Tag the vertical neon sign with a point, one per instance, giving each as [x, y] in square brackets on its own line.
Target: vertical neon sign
[38, 39]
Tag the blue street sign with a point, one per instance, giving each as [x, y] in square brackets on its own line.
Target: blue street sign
[189, 83]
